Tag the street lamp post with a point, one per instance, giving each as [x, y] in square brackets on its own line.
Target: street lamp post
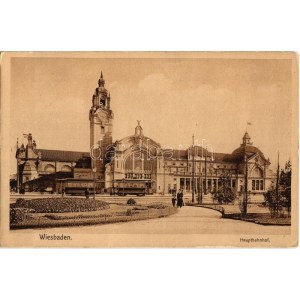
[94, 182]
[123, 186]
[193, 171]
[245, 200]
[199, 189]
[18, 174]
[205, 167]
[164, 178]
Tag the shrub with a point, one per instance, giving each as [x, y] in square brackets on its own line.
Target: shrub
[139, 208]
[131, 202]
[128, 212]
[157, 205]
[18, 215]
[20, 202]
[224, 195]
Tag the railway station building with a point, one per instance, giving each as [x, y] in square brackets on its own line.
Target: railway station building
[139, 157]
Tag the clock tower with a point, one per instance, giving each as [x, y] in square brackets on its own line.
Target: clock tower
[101, 125]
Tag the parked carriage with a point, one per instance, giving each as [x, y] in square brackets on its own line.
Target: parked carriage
[136, 187]
[79, 186]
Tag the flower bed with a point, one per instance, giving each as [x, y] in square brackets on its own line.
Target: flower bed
[59, 205]
[19, 214]
[116, 213]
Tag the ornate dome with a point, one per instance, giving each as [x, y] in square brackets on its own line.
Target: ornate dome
[247, 148]
[138, 140]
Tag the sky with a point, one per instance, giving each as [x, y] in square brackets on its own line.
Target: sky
[174, 98]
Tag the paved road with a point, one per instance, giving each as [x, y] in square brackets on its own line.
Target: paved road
[112, 199]
[189, 220]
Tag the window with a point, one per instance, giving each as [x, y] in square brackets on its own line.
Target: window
[181, 183]
[261, 185]
[188, 184]
[257, 185]
[233, 183]
[102, 129]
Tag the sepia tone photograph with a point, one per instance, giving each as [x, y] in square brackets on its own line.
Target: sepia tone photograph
[149, 149]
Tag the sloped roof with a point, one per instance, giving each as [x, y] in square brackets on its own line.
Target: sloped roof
[175, 154]
[84, 162]
[225, 157]
[249, 150]
[218, 157]
[60, 155]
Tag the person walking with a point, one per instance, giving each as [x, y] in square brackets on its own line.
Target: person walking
[180, 198]
[174, 199]
[63, 192]
[87, 193]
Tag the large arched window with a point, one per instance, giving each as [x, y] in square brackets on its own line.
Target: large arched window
[257, 184]
[49, 168]
[137, 166]
[66, 168]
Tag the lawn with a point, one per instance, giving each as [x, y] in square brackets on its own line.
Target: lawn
[59, 212]
[257, 213]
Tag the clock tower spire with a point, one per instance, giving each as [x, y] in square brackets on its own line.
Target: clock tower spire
[101, 126]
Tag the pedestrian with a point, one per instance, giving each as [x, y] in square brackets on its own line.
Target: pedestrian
[179, 199]
[180, 196]
[87, 193]
[174, 200]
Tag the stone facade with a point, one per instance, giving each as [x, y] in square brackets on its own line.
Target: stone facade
[138, 157]
[33, 162]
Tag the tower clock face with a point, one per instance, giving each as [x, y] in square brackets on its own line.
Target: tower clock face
[102, 116]
[96, 152]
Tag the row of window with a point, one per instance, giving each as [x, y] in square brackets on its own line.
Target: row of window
[208, 171]
[225, 166]
[210, 184]
[209, 165]
[137, 176]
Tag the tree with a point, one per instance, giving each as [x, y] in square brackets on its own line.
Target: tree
[273, 201]
[243, 205]
[225, 193]
[285, 182]
[279, 197]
